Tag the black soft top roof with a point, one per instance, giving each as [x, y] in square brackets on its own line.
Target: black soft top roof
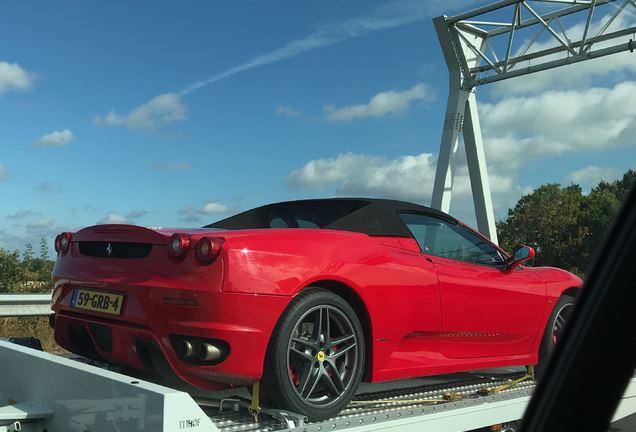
[372, 216]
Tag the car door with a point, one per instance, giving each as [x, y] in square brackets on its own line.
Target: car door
[486, 310]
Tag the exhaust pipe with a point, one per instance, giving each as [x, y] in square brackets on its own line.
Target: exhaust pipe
[208, 352]
[199, 351]
[186, 349]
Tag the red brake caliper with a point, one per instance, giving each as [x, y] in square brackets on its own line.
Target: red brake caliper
[293, 377]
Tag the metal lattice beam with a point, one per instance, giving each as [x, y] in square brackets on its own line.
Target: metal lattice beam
[514, 51]
[501, 41]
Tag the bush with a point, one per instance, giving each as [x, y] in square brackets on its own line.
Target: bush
[27, 275]
[30, 326]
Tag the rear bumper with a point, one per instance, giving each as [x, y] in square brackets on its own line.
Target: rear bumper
[140, 337]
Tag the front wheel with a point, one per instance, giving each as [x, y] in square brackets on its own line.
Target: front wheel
[553, 331]
[315, 357]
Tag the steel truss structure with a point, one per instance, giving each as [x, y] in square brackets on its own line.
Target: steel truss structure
[533, 36]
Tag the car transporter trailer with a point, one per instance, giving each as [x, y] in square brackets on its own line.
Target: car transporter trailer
[49, 393]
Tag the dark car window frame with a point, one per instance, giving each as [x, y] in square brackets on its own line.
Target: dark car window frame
[462, 231]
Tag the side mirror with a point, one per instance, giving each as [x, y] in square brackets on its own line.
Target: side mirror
[519, 255]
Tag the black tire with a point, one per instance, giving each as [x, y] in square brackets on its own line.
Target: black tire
[559, 316]
[310, 368]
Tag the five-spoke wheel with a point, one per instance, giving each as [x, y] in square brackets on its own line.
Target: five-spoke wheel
[315, 358]
[323, 351]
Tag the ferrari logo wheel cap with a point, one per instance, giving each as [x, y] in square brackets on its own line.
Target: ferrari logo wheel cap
[320, 356]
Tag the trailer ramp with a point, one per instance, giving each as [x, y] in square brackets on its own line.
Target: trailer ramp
[44, 392]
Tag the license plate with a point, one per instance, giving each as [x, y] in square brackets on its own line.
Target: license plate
[97, 301]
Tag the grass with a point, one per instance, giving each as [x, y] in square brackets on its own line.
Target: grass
[37, 327]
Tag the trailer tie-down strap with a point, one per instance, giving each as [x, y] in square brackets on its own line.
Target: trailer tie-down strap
[255, 406]
[446, 397]
[494, 390]
[450, 396]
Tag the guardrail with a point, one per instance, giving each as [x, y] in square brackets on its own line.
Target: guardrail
[15, 305]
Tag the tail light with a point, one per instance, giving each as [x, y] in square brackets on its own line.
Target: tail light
[208, 248]
[178, 245]
[63, 242]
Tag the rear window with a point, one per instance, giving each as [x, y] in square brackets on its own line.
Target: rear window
[305, 214]
[310, 215]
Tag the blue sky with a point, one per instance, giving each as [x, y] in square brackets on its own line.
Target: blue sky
[177, 114]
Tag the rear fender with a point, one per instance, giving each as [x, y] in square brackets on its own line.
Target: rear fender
[282, 262]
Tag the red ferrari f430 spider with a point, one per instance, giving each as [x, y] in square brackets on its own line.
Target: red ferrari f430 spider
[308, 297]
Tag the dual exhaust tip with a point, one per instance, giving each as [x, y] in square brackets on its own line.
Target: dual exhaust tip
[200, 351]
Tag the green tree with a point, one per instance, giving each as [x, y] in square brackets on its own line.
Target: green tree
[549, 220]
[44, 249]
[598, 211]
[27, 256]
[566, 227]
[28, 274]
[44, 265]
[10, 271]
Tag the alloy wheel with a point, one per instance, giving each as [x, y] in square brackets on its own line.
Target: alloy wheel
[322, 355]
[560, 320]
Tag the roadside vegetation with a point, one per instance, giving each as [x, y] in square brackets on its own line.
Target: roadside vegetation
[564, 225]
[27, 273]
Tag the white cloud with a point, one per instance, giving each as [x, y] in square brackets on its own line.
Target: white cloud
[591, 175]
[20, 214]
[408, 178]
[128, 218]
[287, 111]
[42, 228]
[54, 139]
[211, 208]
[134, 214]
[158, 111]
[113, 218]
[13, 77]
[388, 103]
[552, 123]
[40, 225]
[319, 173]
[516, 130]
[3, 172]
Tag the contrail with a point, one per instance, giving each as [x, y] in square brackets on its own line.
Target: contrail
[168, 107]
[391, 15]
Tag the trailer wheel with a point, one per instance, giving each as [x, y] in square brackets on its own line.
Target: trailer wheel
[315, 358]
[553, 331]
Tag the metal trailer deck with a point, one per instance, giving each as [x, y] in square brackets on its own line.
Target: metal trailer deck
[47, 393]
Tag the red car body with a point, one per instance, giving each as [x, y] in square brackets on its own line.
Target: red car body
[422, 314]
